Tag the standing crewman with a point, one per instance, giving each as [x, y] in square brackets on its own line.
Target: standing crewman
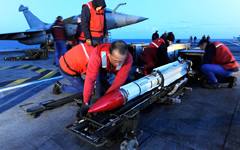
[219, 64]
[208, 37]
[72, 66]
[190, 40]
[60, 38]
[94, 24]
[204, 37]
[155, 36]
[155, 54]
[79, 35]
[106, 59]
[195, 39]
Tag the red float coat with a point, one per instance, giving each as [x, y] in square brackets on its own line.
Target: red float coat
[76, 60]
[58, 31]
[96, 24]
[224, 56]
[150, 54]
[99, 60]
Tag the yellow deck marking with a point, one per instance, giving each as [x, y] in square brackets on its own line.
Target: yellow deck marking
[49, 75]
[18, 81]
[31, 68]
[41, 70]
[4, 68]
[23, 66]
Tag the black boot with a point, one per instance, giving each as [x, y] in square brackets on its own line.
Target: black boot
[211, 85]
[232, 81]
[56, 88]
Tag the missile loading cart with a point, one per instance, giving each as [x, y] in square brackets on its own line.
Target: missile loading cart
[120, 124]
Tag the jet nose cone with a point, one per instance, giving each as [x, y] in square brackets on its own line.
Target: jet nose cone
[134, 19]
[141, 19]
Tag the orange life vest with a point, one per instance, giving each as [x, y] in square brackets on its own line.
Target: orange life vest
[74, 62]
[96, 24]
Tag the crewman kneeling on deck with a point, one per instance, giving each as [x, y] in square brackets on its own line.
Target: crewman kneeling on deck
[155, 54]
[107, 58]
[219, 64]
[72, 66]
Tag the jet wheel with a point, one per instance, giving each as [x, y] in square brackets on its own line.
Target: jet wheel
[129, 145]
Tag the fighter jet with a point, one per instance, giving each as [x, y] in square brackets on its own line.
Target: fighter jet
[39, 30]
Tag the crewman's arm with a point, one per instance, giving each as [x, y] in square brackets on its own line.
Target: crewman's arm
[122, 74]
[105, 25]
[163, 54]
[79, 31]
[93, 68]
[210, 52]
[52, 31]
[85, 18]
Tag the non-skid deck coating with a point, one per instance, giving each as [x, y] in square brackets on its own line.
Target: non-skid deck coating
[206, 119]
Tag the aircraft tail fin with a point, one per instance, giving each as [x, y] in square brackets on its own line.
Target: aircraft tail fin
[32, 20]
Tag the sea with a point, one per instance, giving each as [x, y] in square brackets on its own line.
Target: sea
[13, 44]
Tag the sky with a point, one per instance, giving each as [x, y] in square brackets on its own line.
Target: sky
[220, 19]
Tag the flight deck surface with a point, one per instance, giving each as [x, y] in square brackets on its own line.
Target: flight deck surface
[205, 119]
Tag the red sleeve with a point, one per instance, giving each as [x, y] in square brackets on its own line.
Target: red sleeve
[149, 65]
[93, 68]
[122, 74]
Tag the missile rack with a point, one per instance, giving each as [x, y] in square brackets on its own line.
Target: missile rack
[120, 125]
[33, 54]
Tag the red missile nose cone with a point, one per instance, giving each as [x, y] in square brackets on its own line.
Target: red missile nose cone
[108, 102]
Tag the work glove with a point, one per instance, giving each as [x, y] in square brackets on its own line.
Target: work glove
[89, 41]
[106, 38]
[82, 111]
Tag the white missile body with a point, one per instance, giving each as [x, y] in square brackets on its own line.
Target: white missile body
[165, 75]
[160, 78]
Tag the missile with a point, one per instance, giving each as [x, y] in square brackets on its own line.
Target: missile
[159, 78]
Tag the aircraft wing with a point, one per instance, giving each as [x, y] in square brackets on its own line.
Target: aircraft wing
[21, 35]
[69, 20]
